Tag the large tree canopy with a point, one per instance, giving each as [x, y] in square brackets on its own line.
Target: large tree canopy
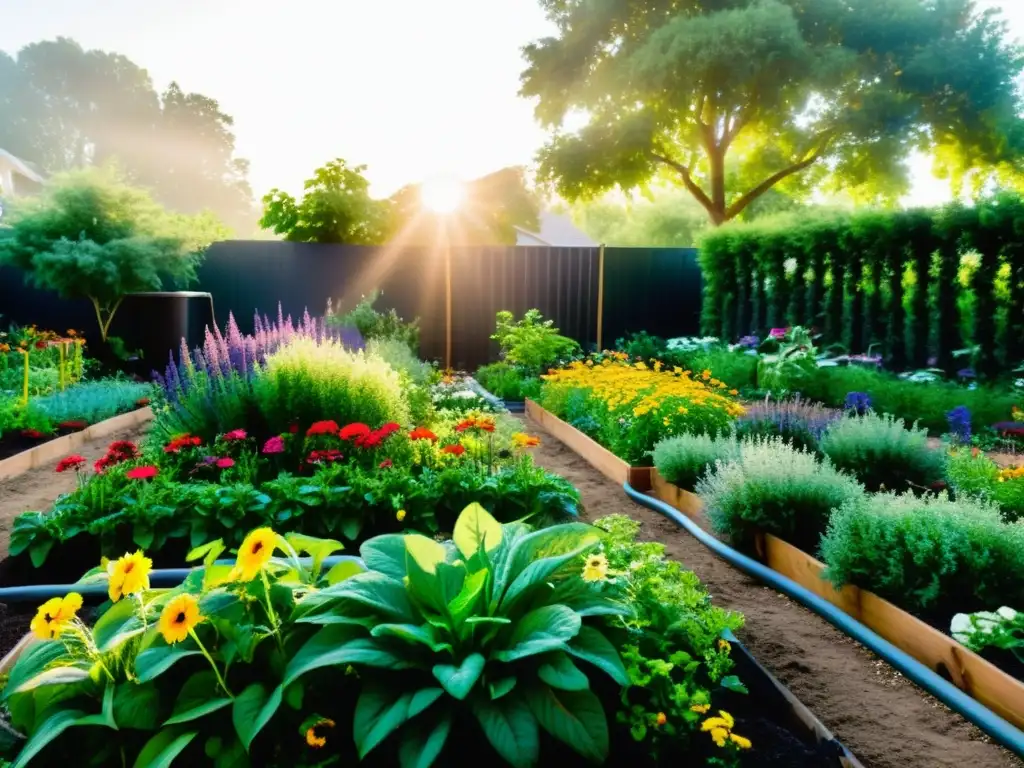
[64, 107]
[732, 98]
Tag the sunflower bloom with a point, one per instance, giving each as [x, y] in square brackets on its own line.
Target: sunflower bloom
[178, 618]
[129, 574]
[313, 738]
[54, 615]
[255, 553]
[596, 568]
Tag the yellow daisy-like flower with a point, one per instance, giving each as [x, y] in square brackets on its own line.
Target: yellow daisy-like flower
[740, 741]
[720, 730]
[400, 515]
[129, 574]
[313, 738]
[596, 568]
[723, 645]
[178, 618]
[54, 615]
[255, 553]
[700, 708]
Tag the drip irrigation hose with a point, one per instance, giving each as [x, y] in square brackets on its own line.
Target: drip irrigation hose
[161, 577]
[987, 720]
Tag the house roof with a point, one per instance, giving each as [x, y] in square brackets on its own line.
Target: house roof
[20, 167]
[558, 230]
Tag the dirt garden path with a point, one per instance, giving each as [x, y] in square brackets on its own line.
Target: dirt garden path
[38, 488]
[886, 721]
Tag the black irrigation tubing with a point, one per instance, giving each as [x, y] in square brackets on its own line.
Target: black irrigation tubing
[987, 720]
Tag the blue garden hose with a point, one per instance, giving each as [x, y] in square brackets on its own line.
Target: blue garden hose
[987, 720]
[163, 577]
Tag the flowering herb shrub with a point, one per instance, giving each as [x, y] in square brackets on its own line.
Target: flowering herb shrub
[884, 454]
[683, 459]
[92, 401]
[959, 420]
[453, 396]
[773, 487]
[795, 420]
[635, 405]
[929, 555]
[858, 403]
[973, 475]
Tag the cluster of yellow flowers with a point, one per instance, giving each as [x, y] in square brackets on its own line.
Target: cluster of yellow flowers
[647, 389]
[1011, 473]
[720, 729]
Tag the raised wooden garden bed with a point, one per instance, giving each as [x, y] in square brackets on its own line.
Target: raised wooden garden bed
[599, 457]
[52, 450]
[980, 679]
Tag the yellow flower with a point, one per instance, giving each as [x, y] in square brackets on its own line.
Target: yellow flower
[312, 738]
[54, 615]
[700, 708]
[400, 515]
[706, 374]
[596, 568]
[178, 618]
[740, 741]
[723, 645]
[255, 552]
[720, 729]
[734, 392]
[661, 719]
[129, 574]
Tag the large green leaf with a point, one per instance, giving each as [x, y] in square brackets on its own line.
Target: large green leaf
[427, 553]
[547, 542]
[573, 717]
[161, 750]
[333, 646]
[544, 629]
[137, 706]
[381, 709]
[318, 549]
[537, 574]
[476, 529]
[199, 696]
[421, 744]
[343, 570]
[422, 634]
[558, 671]
[385, 554]
[511, 728]
[459, 680]
[591, 645]
[158, 658]
[372, 589]
[252, 710]
[117, 625]
[462, 605]
[49, 730]
[36, 664]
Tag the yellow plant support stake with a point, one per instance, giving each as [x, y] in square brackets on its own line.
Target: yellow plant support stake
[24, 388]
[63, 351]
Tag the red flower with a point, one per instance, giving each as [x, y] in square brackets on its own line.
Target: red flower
[234, 434]
[454, 450]
[487, 425]
[386, 464]
[465, 424]
[329, 455]
[125, 449]
[100, 465]
[142, 402]
[274, 445]
[389, 429]
[142, 473]
[73, 424]
[422, 433]
[182, 441]
[293, 428]
[372, 440]
[323, 428]
[33, 434]
[74, 462]
[40, 345]
[356, 430]
[225, 463]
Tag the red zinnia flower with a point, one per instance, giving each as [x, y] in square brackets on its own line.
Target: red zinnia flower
[100, 464]
[389, 429]
[234, 434]
[454, 450]
[465, 424]
[142, 473]
[386, 464]
[33, 434]
[323, 428]
[372, 440]
[329, 455]
[356, 430]
[274, 445]
[40, 345]
[124, 449]
[487, 425]
[182, 441]
[225, 463]
[422, 433]
[73, 424]
[74, 461]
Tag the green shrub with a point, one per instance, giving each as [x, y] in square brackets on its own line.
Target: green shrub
[796, 421]
[92, 401]
[508, 382]
[373, 324]
[683, 459]
[883, 453]
[305, 382]
[415, 375]
[931, 556]
[775, 488]
[642, 346]
[976, 476]
[737, 369]
[533, 342]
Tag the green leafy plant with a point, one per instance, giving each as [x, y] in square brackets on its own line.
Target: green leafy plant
[1002, 630]
[642, 346]
[773, 487]
[786, 370]
[92, 401]
[883, 453]
[683, 459]
[501, 626]
[508, 382]
[532, 342]
[375, 325]
[929, 555]
[971, 474]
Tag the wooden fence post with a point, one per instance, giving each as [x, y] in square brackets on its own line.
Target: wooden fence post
[600, 298]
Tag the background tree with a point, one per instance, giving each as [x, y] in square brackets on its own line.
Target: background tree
[64, 107]
[670, 219]
[335, 208]
[733, 99]
[90, 235]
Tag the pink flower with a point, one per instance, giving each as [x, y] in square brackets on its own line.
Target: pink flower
[778, 333]
[142, 473]
[225, 463]
[274, 445]
[234, 434]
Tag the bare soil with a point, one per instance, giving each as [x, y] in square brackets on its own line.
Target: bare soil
[38, 488]
[885, 720]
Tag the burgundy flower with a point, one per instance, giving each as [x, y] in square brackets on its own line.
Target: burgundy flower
[33, 434]
[386, 464]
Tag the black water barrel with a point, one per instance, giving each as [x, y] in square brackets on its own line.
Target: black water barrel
[155, 323]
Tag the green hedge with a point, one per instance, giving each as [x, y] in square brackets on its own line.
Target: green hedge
[895, 280]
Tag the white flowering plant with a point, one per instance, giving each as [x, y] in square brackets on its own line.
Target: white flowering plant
[1002, 629]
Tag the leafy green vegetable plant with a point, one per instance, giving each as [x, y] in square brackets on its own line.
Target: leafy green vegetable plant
[532, 342]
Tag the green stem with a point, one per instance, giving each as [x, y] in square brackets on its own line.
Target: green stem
[270, 609]
[209, 658]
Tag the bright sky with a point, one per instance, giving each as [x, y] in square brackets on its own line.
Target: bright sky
[410, 88]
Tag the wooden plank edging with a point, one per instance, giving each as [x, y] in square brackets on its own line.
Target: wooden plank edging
[980, 679]
[600, 458]
[52, 450]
